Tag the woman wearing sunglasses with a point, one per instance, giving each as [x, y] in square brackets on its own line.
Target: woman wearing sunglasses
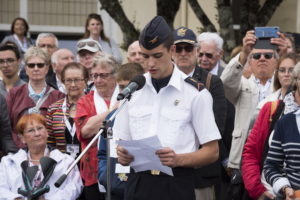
[94, 29]
[36, 95]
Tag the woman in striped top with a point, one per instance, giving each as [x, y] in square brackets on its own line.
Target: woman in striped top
[282, 165]
[60, 116]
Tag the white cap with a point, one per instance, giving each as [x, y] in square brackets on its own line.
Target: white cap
[88, 44]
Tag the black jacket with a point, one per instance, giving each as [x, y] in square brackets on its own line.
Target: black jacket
[208, 175]
[6, 142]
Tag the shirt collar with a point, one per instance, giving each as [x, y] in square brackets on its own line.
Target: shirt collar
[174, 81]
[33, 95]
[214, 70]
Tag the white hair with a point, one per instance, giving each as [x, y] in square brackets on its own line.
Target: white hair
[211, 37]
[43, 35]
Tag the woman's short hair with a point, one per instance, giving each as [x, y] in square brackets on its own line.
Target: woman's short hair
[106, 60]
[296, 73]
[36, 52]
[75, 65]
[14, 22]
[27, 119]
[294, 57]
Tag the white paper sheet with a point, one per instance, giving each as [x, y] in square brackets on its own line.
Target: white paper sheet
[144, 155]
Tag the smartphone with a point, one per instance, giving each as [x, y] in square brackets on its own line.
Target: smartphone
[267, 32]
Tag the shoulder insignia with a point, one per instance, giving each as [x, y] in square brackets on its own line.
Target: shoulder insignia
[194, 82]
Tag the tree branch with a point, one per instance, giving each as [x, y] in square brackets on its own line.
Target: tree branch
[267, 11]
[207, 24]
[168, 10]
[115, 10]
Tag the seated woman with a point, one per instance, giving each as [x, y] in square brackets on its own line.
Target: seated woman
[61, 114]
[34, 97]
[281, 167]
[36, 159]
[91, 111]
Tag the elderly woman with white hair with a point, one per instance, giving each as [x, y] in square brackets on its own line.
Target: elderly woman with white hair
[91, 111]
[36, 95]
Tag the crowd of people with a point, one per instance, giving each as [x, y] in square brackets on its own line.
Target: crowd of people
[228, 131]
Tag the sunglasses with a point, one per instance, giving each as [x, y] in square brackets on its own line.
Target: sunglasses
[257, 56]
[101, 75]
[32, 65]
[187, 48]
[89, 43]
[208, 55]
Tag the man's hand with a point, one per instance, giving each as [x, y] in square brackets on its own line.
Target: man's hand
[168, 157]
[266, 194]
[281, 43]
[124, 158]
[289, 193]
[248, 43]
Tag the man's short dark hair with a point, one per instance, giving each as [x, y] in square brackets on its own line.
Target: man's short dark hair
[10, 48]
[128, 71]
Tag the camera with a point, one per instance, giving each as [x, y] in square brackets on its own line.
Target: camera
[267, 32]
[263, 35]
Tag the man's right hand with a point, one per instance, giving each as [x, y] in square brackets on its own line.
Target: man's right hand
[248, 43]
[124, 158]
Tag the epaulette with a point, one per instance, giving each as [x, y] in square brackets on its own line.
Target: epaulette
[194, 82]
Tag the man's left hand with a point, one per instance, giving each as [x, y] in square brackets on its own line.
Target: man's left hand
[168, 157]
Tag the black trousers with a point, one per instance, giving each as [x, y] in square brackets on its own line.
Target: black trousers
[92, 193]
[145, 186]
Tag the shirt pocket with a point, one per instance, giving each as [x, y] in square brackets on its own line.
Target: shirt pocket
[174, 122]
[139, 122]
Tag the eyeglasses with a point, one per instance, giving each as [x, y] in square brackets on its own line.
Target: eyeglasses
[257, 56]
[89, 43]
[75, 81]
[32, 65]
[48, 46]
[284, 70]
[208, 55]
[101, 75]
[8, 61]
[187, 48]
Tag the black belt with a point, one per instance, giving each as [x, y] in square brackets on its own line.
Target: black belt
[177, 171]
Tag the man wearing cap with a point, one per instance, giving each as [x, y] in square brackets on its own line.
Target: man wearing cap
[171, 107]
[245, 93]
[185, 58]
[87, 49]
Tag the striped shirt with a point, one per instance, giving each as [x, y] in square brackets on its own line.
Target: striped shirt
[282, 166]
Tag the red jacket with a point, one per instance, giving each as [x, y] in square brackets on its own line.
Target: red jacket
[89, 162]
[253, 150]
[18, 102]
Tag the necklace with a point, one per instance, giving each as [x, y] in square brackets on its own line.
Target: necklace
[73, 107]
[34, 160]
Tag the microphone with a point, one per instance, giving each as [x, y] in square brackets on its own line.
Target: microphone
[135, 84]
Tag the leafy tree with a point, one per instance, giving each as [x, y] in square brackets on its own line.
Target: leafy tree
[245, 13]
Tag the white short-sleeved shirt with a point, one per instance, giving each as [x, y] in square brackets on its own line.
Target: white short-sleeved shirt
[180, 115]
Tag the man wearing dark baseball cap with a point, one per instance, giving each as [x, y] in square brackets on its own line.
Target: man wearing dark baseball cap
[170, 107]
[185, 58]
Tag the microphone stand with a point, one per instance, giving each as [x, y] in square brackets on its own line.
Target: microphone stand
[103, 130]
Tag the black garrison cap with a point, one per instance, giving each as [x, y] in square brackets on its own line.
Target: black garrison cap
[183, 34]
[155, 33]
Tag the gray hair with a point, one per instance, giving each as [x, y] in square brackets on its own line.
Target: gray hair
[211, 37]
[44, 35]
[106, 60]
[36, 52]
[296, 73]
